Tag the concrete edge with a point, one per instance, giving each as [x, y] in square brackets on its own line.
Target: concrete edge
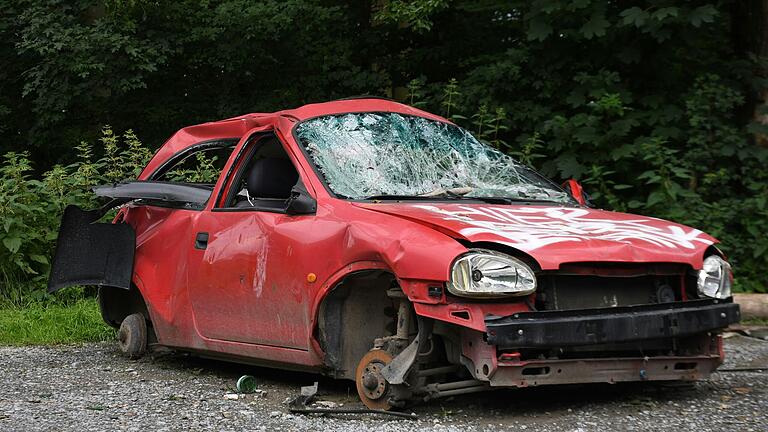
[752, 305]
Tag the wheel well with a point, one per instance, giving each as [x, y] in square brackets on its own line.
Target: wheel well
[355, 312]
[118, 303]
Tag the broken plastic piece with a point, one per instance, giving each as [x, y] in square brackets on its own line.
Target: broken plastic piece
[299, 406]
[184, 195]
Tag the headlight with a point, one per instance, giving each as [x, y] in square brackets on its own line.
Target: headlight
[485, 273]
[715, 278]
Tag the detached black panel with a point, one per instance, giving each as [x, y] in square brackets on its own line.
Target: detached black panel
[608, 325]
[92, 253]
[168, 194]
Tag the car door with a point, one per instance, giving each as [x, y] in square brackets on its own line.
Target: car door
[244, 286]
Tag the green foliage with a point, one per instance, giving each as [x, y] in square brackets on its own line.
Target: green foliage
[202, 171]
[55, 323]
[649, 103]
[702, 171]
[30, 208]
[413, 14]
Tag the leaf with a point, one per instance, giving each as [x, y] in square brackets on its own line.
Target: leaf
[586, 134]
[654, 198]
[577, 4]
[12, 244]
[38, 258]
[681, 172]
[569, 166]
[622, 151]
[665, 12]
[538, 29]
[596, 26]
[634, 16]
[702, 14]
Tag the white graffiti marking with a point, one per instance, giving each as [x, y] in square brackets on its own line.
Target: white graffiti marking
[533, 227]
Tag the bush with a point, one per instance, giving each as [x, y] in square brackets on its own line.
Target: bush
[696, 169]
[31, 208]
[694, 165]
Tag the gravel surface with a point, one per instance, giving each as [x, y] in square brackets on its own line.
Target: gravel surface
[90, 387]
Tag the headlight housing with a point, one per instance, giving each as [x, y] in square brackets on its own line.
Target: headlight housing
[715, 278]
[486, 274]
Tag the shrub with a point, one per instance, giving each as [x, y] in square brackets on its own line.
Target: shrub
[694, 165]
[31, 208]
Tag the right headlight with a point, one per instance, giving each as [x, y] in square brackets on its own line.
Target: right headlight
[715, 278]
[486, 273]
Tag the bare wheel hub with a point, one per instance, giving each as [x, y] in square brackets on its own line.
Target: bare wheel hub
[374, 383]
[372, 387]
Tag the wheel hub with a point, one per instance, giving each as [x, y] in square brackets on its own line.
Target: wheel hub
[373, 381]
[372, 387]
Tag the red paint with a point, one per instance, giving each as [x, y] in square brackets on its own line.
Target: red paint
[576, 191]
[247, 295]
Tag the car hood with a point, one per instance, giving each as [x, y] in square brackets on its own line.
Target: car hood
[556, 235]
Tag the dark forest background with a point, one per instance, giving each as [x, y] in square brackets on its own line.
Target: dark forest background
[658, 107]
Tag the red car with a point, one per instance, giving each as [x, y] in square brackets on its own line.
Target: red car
[372, 241]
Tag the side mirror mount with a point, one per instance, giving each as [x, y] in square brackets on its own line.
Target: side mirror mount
[300, 202]
[576, 191]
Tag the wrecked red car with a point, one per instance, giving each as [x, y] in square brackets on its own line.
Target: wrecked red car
[372, 241]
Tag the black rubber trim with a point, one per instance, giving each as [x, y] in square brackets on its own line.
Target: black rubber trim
[183, 154]
[608, 325]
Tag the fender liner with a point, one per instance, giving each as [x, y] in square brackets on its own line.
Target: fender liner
[89, 253]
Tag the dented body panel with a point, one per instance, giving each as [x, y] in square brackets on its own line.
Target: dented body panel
[226, 281]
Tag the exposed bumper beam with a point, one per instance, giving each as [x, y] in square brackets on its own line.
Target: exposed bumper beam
[556, 329]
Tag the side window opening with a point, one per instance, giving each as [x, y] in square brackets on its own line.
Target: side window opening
[202, 167]
[266, 180]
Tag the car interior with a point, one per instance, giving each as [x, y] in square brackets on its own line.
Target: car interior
[267, 179]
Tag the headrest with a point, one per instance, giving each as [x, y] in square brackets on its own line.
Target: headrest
[271, 178]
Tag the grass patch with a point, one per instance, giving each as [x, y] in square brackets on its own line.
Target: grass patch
[50, 324]
[754, 322]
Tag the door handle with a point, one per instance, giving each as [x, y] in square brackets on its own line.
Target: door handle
[201, 240]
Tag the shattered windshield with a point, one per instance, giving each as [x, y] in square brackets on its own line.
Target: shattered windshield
[362, 155]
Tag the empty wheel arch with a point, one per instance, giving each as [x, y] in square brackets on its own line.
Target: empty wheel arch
[354, 313]
[118, 303]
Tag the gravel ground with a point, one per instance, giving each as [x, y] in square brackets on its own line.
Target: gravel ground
[90, 387]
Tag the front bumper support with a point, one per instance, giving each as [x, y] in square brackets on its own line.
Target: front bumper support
[553, 329]
[609, 370]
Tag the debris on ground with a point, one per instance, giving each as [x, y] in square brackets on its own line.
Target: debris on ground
[301, 405]
[246, 384]
[86, 387]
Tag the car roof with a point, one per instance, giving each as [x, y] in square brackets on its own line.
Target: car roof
[236, 127]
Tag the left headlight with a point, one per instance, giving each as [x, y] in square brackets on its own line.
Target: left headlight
[715, 278]
[486, 273]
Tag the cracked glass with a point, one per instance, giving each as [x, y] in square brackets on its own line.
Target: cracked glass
[362, 155]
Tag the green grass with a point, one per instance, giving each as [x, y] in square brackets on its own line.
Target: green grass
[51, 324]
[754, 321]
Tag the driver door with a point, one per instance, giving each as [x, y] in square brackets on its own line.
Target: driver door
[244, 284]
